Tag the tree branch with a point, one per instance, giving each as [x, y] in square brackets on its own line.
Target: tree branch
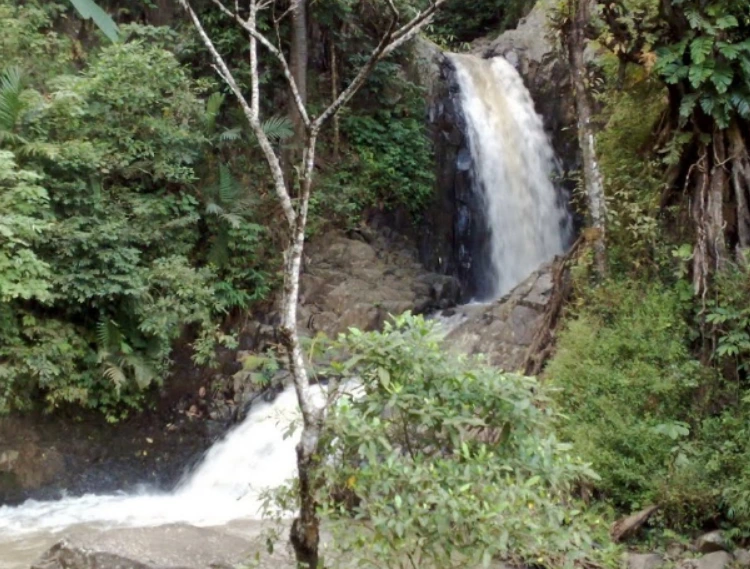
[390, 41]
[252, 29]
[251, 112]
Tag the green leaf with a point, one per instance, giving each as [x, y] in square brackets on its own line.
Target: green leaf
[727, 22]
[688, 105]
[384, 376]
[729, 50]
[722, 78]
[700, 48]
[88, 9]
[698, 75]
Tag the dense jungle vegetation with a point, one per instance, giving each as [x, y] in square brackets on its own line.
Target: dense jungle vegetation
[137, 215]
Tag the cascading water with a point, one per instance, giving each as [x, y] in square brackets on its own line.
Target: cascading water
[512, 164]
[227, 485]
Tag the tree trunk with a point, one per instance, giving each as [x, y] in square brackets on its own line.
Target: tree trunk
[298, 64]
[592, 177]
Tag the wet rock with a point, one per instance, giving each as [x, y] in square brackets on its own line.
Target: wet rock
[644, 561]
[742, 557]
[710, 542]
[531, 50]
[504, 329]
[354, 283]
[715, 560]
[171, 546]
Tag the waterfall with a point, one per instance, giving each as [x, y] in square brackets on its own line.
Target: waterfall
[512, 165]
[227, 485]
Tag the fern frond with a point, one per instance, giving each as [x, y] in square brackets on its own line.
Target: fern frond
[38, 150]
[115, 374]
[219, 253]
[228, 187]
[232, 219]
[212, 208]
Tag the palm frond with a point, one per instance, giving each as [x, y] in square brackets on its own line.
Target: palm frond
[213, 106]
[278, 128]
[11, 87]
[231, 134]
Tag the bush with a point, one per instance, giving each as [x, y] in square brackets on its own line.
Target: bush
[446, 460]
[653, 421]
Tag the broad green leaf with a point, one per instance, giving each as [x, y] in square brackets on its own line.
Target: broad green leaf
[722, 78]
[700, 48]
[88, 9]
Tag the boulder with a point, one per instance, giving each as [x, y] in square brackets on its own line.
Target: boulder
[351, 282]
[742, 557]
[502, 330]
[166, 547]
[715, 560]
[644, 561]
[710, 542]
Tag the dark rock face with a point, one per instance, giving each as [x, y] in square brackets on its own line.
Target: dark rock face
[44, 457]
[456, 239]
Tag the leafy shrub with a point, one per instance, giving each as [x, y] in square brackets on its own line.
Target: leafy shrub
[445, 460]
[656, 425]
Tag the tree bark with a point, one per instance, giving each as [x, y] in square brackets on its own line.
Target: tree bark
[740, 183]
[298, 64]
[592, 177]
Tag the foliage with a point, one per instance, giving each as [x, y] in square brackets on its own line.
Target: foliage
[443, 460]
[654, 422]
[633, 172]
[109, 234]
[24, 208]
[389, 162]
[461, 21]
[90, 9]
[711, 60]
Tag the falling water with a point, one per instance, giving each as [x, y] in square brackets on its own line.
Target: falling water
[512, 168]
[227, 485]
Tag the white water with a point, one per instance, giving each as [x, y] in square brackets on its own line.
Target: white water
[226, 486]
[513, 165]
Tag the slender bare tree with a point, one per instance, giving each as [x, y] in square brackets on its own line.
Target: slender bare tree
[580, 17]
[294, 199]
